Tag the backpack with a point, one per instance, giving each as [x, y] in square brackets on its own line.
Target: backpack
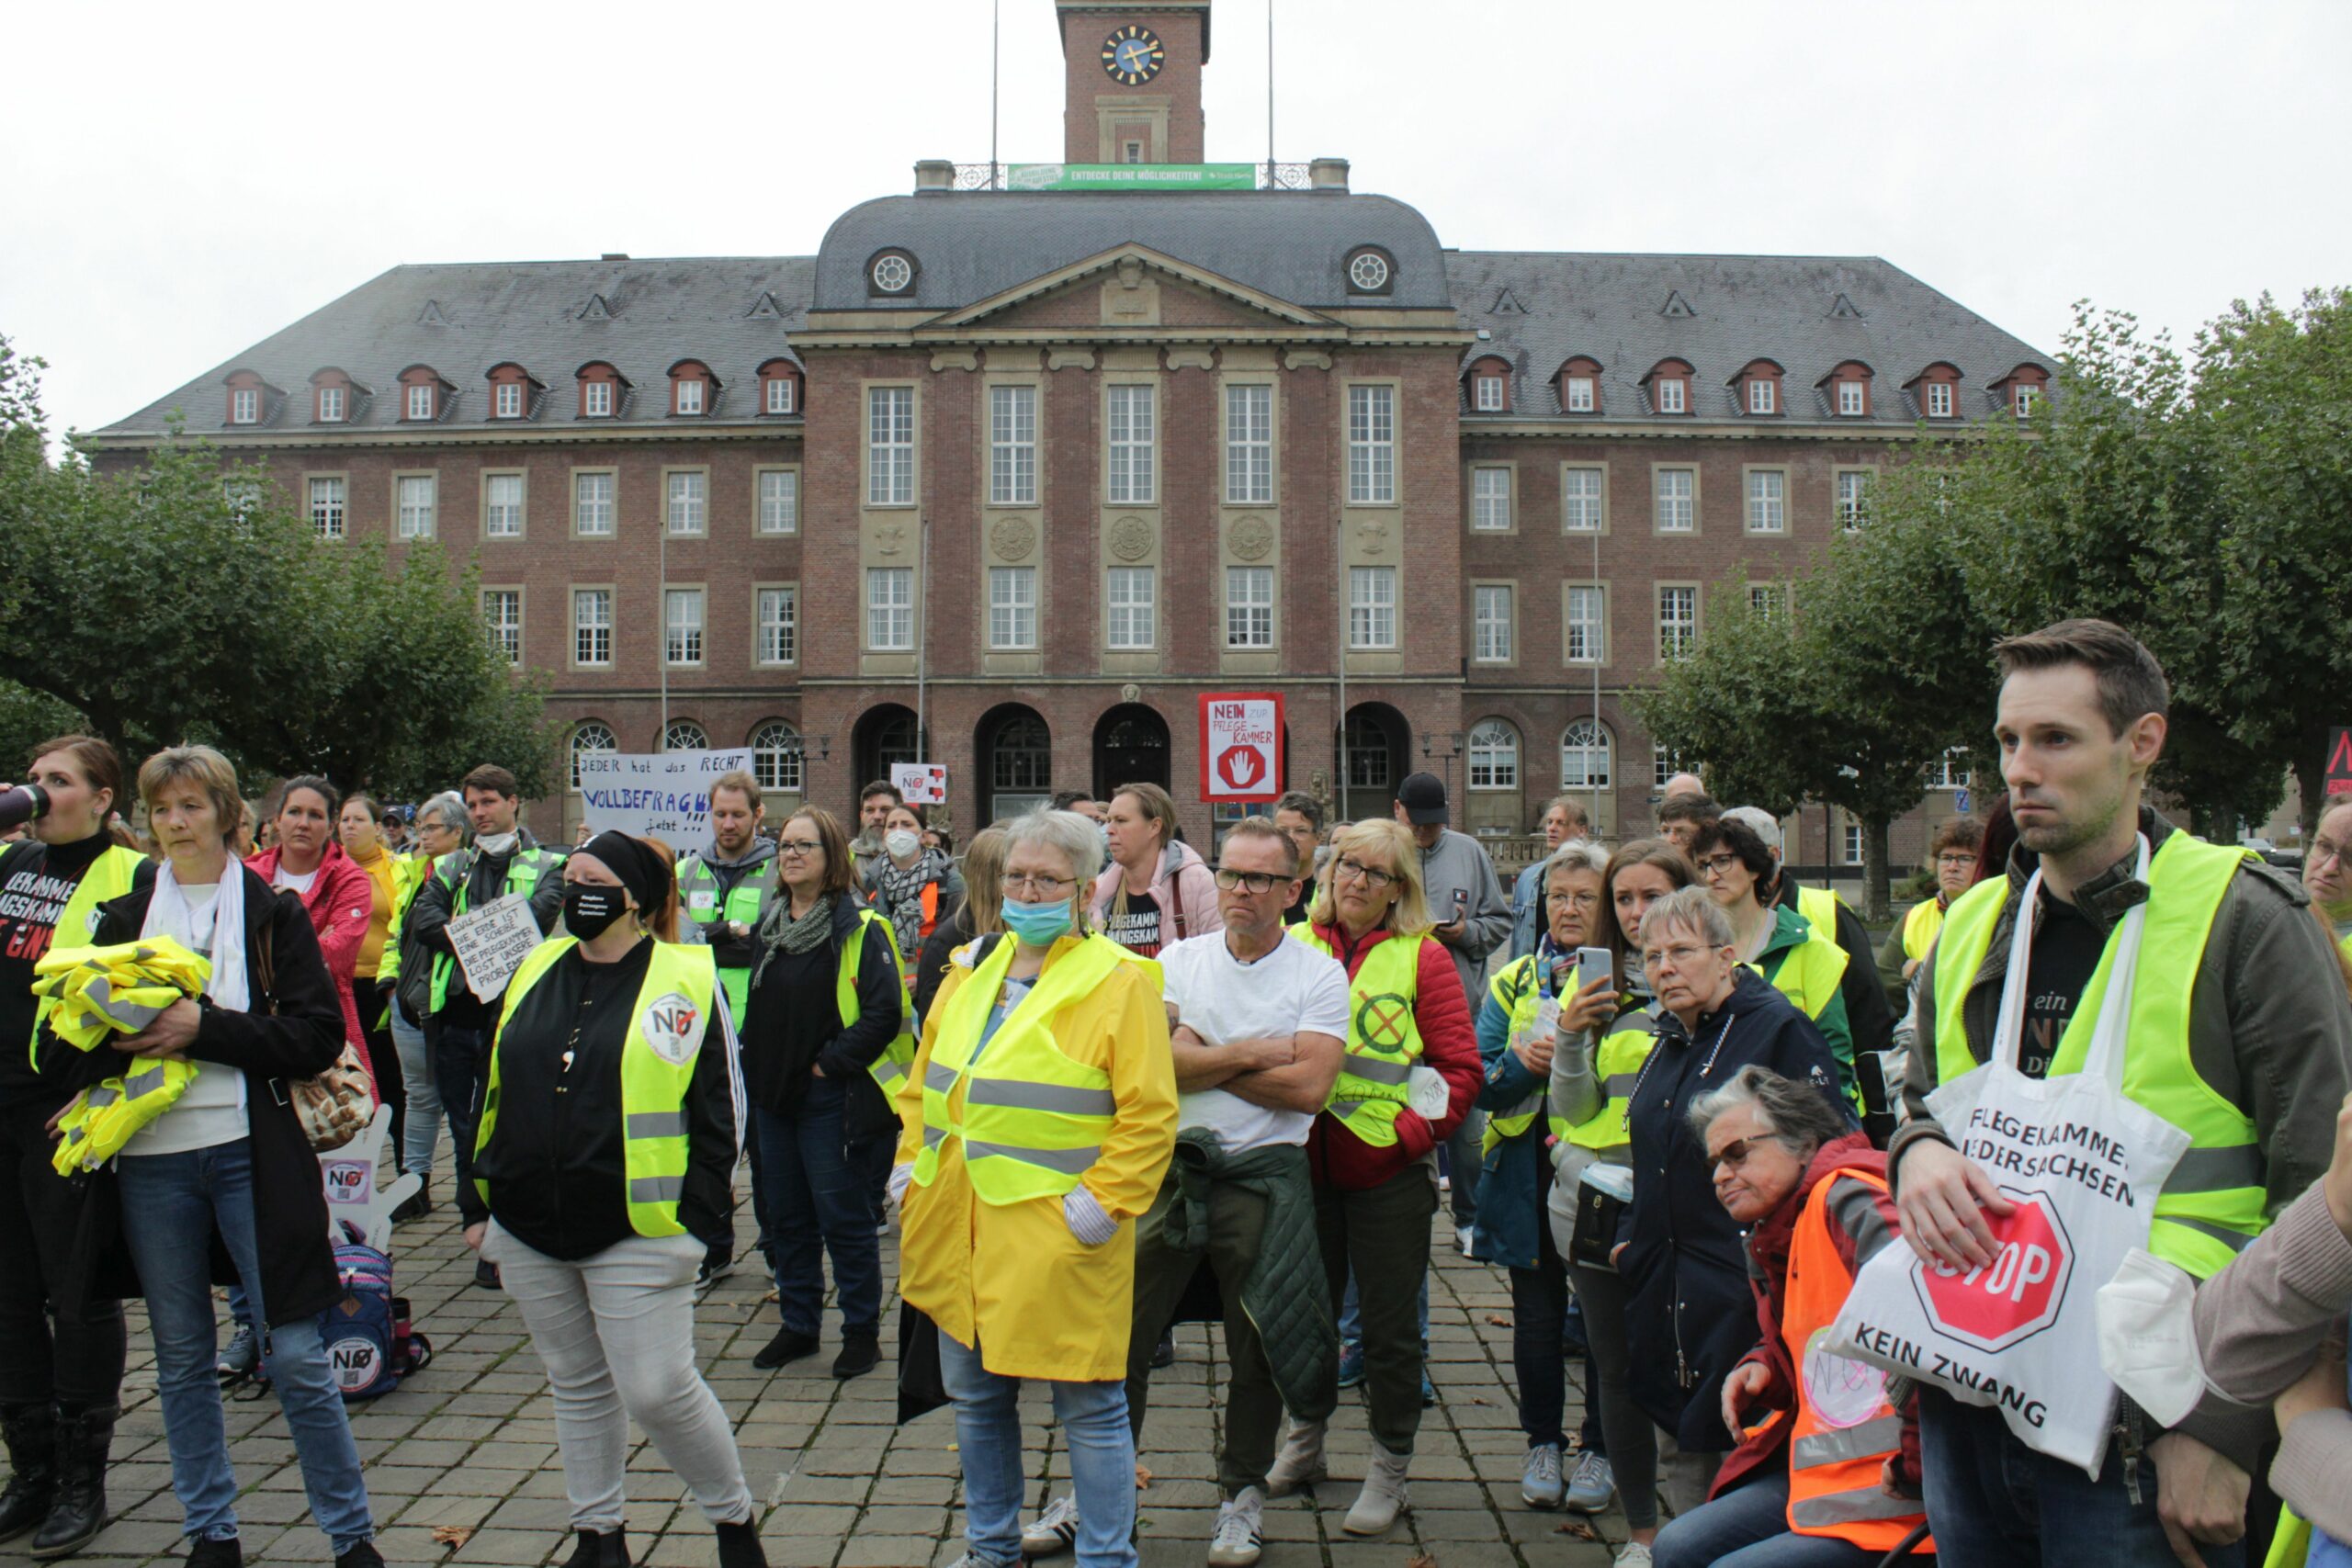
[369, 1342]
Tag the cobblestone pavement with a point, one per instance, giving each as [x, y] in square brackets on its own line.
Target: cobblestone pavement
[471, 1444]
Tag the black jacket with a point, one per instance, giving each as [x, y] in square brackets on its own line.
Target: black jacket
[555, 1161]
[792, 1022]
[36, 881]
[931, 964]
[294, 1030]
[1690, 1316]
[428, 918]
[1870, 1017]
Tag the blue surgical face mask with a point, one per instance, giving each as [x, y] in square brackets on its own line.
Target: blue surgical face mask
[1037, 924]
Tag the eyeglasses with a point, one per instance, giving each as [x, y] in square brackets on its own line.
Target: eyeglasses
[798, 847]
[1586, 901]
[1678, 956]
[1350, 867]
[1255, 881]
[1028, 886]
[2322, 851]
[1715, 865]
[1735, 1154]
[1954, 863]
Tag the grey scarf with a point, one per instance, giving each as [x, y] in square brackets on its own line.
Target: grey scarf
[779, 932]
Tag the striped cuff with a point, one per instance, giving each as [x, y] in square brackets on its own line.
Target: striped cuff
[1086, 1219]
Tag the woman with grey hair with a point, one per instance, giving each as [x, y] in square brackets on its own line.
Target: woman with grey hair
[1807, 1487]
[405, 971]
[1039, 1116]
[1686, 1279]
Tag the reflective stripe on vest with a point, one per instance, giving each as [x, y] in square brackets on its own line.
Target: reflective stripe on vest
[1618, 1066]
[2212, 1205]
[889, 1070]
[1919, 928]
[1031, 1118]
[673, 1003]
[1834, 1472]
[1384, 1038]
[523, 872]
[107, 877]
[1517, 987]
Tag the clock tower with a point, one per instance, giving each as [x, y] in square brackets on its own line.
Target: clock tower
[1133, 75]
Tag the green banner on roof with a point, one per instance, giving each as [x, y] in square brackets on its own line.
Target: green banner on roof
[1133, 177]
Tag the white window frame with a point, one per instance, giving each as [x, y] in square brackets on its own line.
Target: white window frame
[507, 401]
[890, 609]
[1593, 628]
[598, 399]
[1573, 500]
[1852, 397]
[1676, 635]
[1372, 444]
[775, 625]
[685, 623]
[332, 403]
[1490, 499]
[1013, 445]
[777, 396]
[1850, 844]
[504, 634]
[328, 497]
[685, 503]
[1249, 608]
[1938, 400]
[420, 402]
[1586, 740]
[1250, 443]
[684, 735]
[608, 504]
[501, 519]
[1487, 393]
[415, 520]
[1853, 487]
[1670, 395]
[592, 628]
[1131, 609]
[1663, 765]
[1672, 512]
[1767, 598]
[787, 772]
[889, 445]
[1952, 770]
[1493, 764]
[245, 406]
[692, 390]
[1372, 608]
[574, 750]
[1768, 514]
[2023, 396]
[1493, 638]
[1763, 395]
[1584, 394]
[777, 501]
[1131, 429]
[1012, 609]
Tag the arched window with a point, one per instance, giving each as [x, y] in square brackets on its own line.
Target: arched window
[1585, 755]
[1493, 755]
[684, 735]
[775, 756]
[1025, 754]
[591, 735]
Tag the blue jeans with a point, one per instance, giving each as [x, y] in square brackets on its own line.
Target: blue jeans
[988, 1432]
[461, 1070]
[1749, 1528]
[171, 1204]
[817, 1205]
[1995, 1502]
[421, 1128]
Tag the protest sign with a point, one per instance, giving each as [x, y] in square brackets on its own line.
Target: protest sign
[1241, 746]
[660, 795]
[920, 784]
[491, 943]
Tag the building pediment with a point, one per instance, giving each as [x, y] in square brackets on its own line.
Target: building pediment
[1131, 286]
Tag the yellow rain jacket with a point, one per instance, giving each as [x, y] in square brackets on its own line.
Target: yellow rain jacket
[1011, 1277]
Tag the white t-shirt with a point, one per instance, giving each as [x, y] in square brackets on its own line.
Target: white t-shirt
[301, 883]
[211, 1111]
[1292, 990]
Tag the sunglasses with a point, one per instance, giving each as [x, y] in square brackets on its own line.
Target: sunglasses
[1735, 1154]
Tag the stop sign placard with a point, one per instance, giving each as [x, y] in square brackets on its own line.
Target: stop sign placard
[2017, 1294]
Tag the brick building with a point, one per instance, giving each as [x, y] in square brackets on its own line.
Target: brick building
[1043, 466]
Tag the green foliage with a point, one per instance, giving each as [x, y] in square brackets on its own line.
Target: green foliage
[27, 718]
[185, 600]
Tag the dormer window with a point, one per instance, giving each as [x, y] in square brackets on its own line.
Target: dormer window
[2023, 388]
[1763, 395]
[245, 406]
[1671, 387]
[335, 397]
[1937, 402]
[420, 402]
[690, 397]
[250, 398]
[692, 389]
[891, 273]
[1936, 388]
[1370, 271]
[1756, 390]
[1578, 383]
[779, 395]
[2024, 398]
[1488, 393]
[779, 387]
[508, 403]
[1581, 398]
[1849, 390]
[1850, 397]
[1490, 385]
[332, 405]
[601, 387]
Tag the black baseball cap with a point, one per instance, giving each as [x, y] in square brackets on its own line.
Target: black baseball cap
[1424, 798]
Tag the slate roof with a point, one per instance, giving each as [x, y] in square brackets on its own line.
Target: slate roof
[972, 246]
[1609, 307]
[659, 312]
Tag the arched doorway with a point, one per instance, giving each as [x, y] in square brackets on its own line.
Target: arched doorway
[885, 734]
[1130, 747]
[1013, 754]
[1373, 761]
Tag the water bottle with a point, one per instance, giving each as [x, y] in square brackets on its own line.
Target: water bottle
[21, 805]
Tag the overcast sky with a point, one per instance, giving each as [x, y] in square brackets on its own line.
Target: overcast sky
[173, 189]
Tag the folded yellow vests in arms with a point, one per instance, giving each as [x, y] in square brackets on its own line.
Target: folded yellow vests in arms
[98, 991]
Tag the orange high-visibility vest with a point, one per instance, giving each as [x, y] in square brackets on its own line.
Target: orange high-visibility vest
[1835, 1487]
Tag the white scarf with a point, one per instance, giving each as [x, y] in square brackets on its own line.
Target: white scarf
[168, 914]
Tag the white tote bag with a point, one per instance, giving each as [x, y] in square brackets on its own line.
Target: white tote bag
[2084, 1165]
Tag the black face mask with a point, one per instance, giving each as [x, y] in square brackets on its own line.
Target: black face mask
[590, 911]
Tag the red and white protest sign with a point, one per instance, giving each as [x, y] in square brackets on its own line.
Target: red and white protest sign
[1241, 746]
[920, 784]
[2015, 1297]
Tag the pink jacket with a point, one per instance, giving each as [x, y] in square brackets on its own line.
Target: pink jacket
[1183, 882]
[339, 902]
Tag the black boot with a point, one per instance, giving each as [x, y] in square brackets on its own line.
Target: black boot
[84, 1439]
[861, 1353]
[607, 1549]
[31, 1433]
[738, 1546]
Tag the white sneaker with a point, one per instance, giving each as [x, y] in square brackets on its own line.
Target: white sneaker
[1239, 1534]
[1056, 1530]
[1383, 1496]
[1300, 1464]
[1464, 1238]
[1633, 1554]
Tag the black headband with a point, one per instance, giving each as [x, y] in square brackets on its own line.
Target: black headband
[640, 869]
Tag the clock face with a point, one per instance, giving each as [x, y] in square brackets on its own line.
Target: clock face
[1132, 55]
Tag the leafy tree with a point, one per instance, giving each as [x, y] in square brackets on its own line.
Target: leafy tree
[174, 604]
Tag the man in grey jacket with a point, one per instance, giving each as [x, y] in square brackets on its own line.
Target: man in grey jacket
[2081, 722]
[1473, 920]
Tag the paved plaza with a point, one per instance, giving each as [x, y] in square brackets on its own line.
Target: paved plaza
[469, 1445]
